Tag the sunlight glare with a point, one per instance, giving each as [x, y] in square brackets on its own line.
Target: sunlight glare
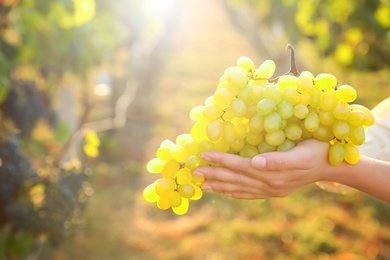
[102, 90]
[160, 7]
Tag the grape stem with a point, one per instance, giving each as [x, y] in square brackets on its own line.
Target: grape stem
[293, 67]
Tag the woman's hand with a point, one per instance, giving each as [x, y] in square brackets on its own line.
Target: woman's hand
[275, 174]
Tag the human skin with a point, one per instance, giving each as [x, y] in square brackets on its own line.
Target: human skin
[278, 174]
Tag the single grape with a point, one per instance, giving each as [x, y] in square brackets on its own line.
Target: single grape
[287, 81]
[341, 111]
[223, 83]
[223, 96]
[197, 194]
[275, 138]
[253, 139]
[256, 93]
[238, 107]
[241, 129]
[212, 111]
[251, 111]
[149, 194]
[206, 145]
[183, 176]
[237, 79]
[192, 162]
[163, 153]
[174, 199]
[244, 94]
[265, 70]
[325, 81]
[304, 82]
[265, 106]
[191, 147]
[273, 92]
[209, 101]
[265, 147]
[155, 165]
[183, 208]
[323, 133]
[301, 111]
[167, 143]
[249, 151]
[170, 169]
[370, 118]
[228, 131]
[165, 186]
[357, 117]
[183, 139]
[341, 129]
[312, 122]
[293, 132]
[196, 113]
[163, 203]
[230, 70]
[326, 117]
[315, 98]
[272, 122]
[308, 73]
[357, 135]
[228, 114]
[186, 190]
[286, 145]
[222, 146]
[247, 64]
[352, 154]
[256, 124]
[237, 144]
[346, 93]
[291, 95]
[305, 133]
[179, 153]
[304, 98]
[199, 130]
[285, 109]
[336, 153]
[214, 130]
[197, 180]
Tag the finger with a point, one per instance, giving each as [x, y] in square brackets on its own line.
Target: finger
[277, 161]
[226, 187]
[245, 195]
[231, 161]
[226, 175]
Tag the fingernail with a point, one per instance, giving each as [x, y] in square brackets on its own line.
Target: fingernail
[206, 187]
[205, 157]
[197, 172]
[259, 161]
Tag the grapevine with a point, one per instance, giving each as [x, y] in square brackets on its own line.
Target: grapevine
[251, 113]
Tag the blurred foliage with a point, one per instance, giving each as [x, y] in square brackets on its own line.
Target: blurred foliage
[355, 33]
[44, 43]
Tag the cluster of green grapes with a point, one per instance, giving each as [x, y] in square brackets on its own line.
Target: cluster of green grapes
[250, 113]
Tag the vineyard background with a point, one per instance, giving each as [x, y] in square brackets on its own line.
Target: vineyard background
[129, 72]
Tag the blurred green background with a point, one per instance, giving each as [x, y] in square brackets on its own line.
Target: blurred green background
[89, 89]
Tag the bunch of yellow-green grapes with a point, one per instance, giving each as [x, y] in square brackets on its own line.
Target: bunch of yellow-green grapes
[250, 113]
